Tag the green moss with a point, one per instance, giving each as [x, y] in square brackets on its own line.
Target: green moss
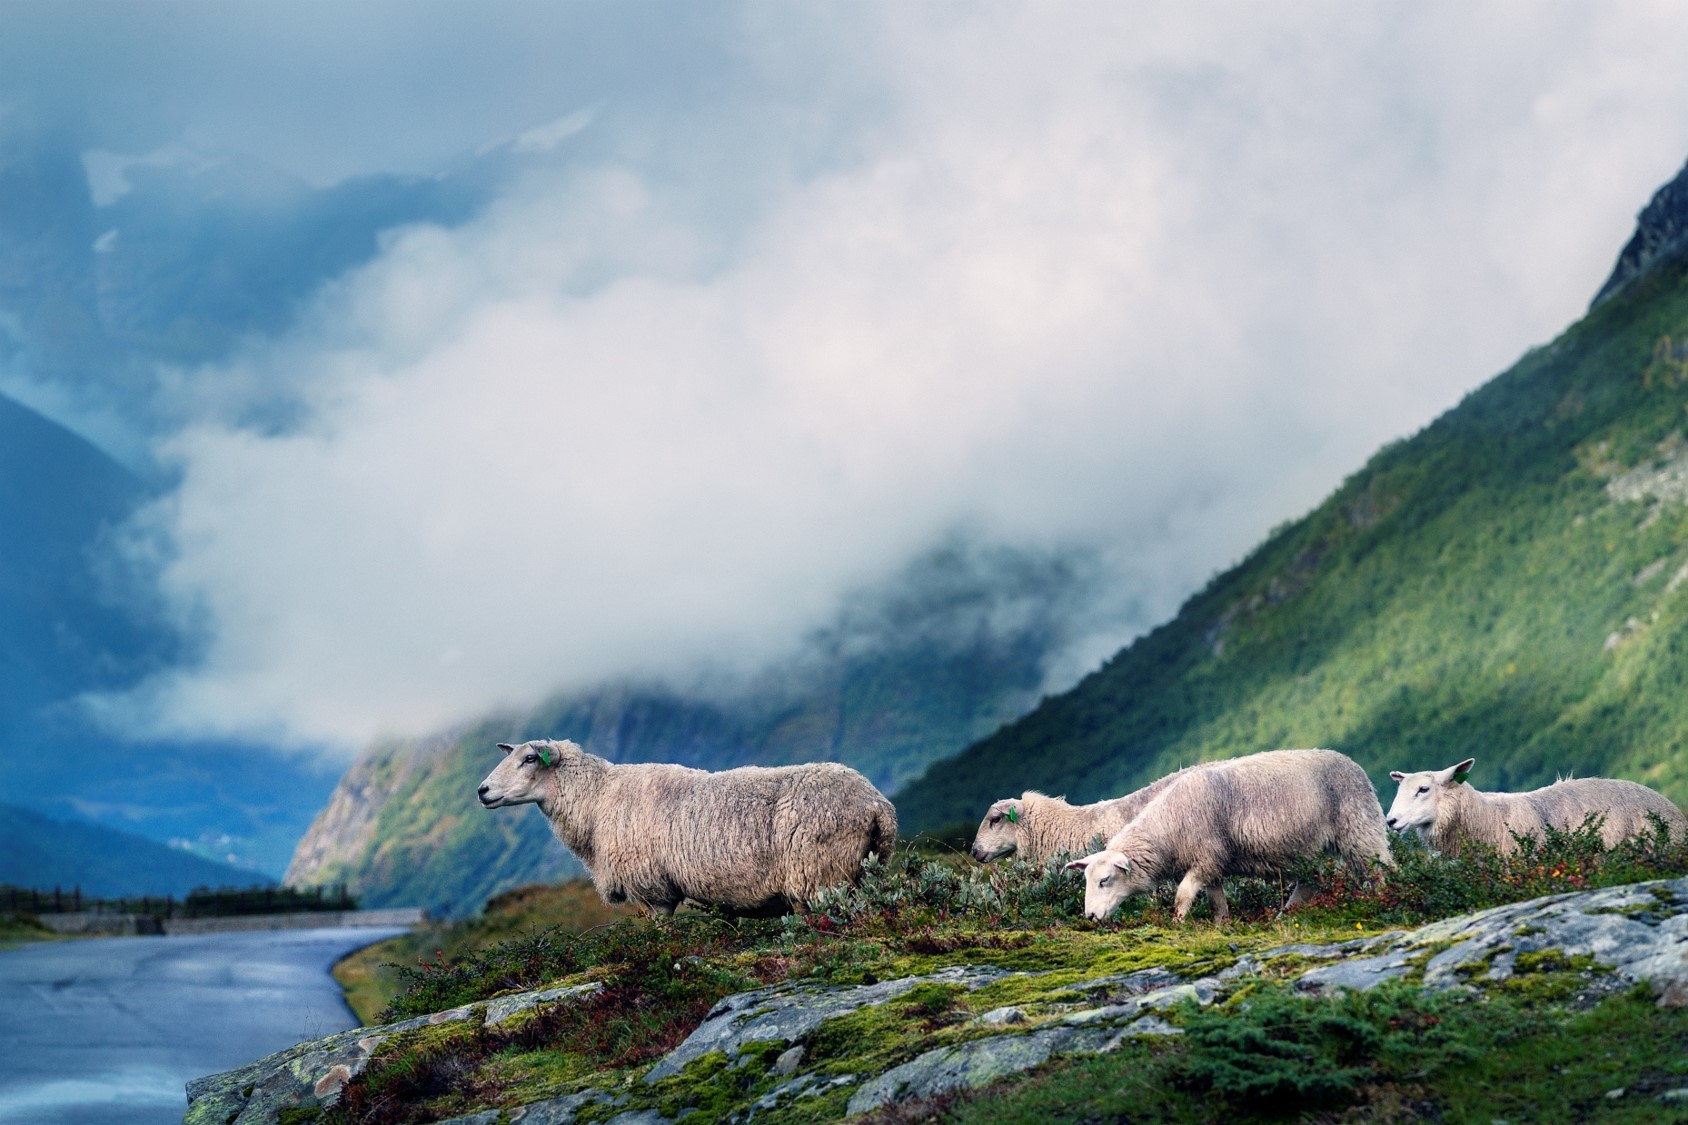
[296, 1115]
[1549, 977]
[872, 1040]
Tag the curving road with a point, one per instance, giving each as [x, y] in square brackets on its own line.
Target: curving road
[110, 1029]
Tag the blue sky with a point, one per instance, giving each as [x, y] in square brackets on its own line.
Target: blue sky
[492, 349]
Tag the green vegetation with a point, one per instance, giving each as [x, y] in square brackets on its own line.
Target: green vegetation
[1392, 1054]
[1266, 1048]
[370, 976]
[223, 902]
[21, 929]
[1505, 584]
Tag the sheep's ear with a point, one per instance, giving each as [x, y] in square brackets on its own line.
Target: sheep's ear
[1013, 815]
[1122, 865]
[1397, 775]
[506, 747]
[1079, 864]
[1462, 771]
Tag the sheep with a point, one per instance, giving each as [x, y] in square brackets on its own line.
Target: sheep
[1248, 816]
[755, 839]
[1038, 827]
[1446, 811]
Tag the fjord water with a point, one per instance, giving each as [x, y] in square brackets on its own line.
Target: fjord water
[111, 1029]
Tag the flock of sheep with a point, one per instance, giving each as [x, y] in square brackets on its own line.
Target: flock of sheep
[762, 840]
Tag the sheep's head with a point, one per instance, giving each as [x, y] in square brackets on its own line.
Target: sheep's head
[1419, 796]
[520, 777]
[1109, 879]
[998, 833]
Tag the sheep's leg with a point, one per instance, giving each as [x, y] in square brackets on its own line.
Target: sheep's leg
[665, 909]
[1221, 908]
[1303, 892]
[1186, 897]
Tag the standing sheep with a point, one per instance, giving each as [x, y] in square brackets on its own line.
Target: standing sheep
[1247, 816]
[753, 839]
[1441, 807]
[1037, 827]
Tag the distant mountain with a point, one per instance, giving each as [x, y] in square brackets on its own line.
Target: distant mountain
[59, 634]
[1507, 584]
[902, 680]
[39, 853]
[67, 627]
[172, 264]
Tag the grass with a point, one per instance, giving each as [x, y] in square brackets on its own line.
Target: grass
[23, 929]
[1379, 1054]
[371, 978]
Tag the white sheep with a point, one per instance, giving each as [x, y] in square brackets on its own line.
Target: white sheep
[1037, 827]
[1446, 811]
[1248, 816]
[754, 839]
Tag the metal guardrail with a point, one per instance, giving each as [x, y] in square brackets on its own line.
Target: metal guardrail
[108, 922]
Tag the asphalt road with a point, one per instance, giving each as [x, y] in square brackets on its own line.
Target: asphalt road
[110, 1029]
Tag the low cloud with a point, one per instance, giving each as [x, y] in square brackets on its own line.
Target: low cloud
[1132, 283]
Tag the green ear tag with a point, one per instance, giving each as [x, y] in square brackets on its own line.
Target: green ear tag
[1459, 778]
[545, 757]
[1013, 815]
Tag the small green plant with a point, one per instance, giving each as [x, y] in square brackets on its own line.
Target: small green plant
[1280, 1051]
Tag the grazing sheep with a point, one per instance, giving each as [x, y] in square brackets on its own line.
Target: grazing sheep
[1038, 827]
[753, 839]
[1446, 811]
[1247, 816]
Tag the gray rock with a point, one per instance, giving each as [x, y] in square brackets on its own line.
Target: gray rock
[1245, 966]
[974, 1064]
[503, 1007]
[1119, 986]
[1149, 1025]
[785, 1013]
[807, 1086]
[1003, 1015]
[1639, 931]
[312, 1074]
[1201, 991]
[552, 1111]
[788, 1062]
[1359, 975]
[1679, 1095]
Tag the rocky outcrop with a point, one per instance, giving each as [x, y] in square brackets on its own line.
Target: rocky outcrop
[313, 1074]
[1610, 939]
[344, 831]
[1661, 236]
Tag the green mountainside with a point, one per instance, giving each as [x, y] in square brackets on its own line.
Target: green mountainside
[1506, 584]
[900, 681]
[38, 853]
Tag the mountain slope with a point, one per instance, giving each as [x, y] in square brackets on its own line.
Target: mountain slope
[1507, 584]
[901, 680]
[58, 495]
[66, 630]
[39, 853]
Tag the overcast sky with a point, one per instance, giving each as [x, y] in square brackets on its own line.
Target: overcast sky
[807, 289]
